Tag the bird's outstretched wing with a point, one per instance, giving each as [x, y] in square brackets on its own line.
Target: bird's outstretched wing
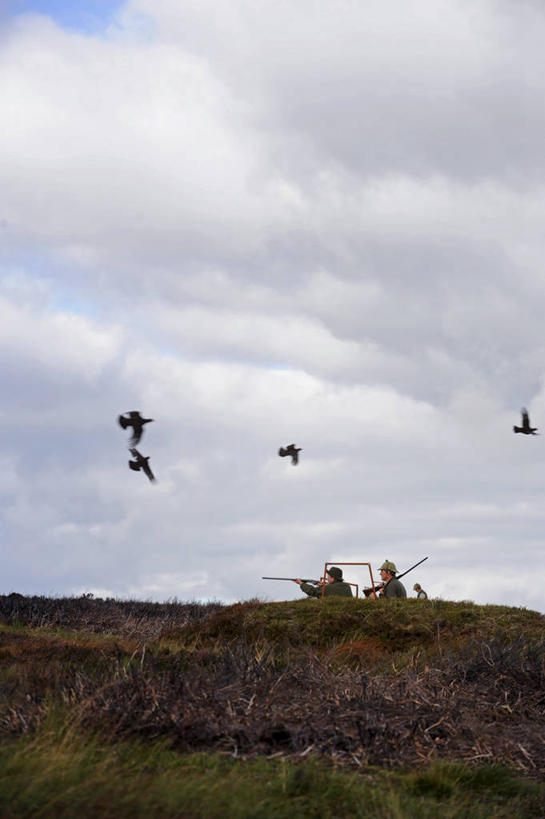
[525, 420]
[295, 457]
[148, 471]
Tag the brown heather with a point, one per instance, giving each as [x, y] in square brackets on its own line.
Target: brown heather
[356, 682]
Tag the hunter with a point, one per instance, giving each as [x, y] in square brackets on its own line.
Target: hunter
[420, 593]
[392, 587]
[335, 586]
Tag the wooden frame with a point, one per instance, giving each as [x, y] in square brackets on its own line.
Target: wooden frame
[336, 563]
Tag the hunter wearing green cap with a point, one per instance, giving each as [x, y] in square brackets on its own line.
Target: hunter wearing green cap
[334, 585]
[420, 593]
[392, 586]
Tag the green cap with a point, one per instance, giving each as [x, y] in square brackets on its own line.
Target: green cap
[335, 572]
[388, 566]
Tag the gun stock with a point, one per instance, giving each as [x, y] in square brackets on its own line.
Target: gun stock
[376, 589]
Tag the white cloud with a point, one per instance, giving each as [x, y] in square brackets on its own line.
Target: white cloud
[108, 138]
[67, 343]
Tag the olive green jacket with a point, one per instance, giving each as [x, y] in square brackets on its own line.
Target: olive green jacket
[394, 588]
[336, 589]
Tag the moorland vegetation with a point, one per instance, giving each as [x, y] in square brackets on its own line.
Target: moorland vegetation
[305, 708]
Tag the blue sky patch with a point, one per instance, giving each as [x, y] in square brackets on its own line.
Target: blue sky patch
[88, 17]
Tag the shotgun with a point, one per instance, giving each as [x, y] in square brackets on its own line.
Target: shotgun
[367, 592]
[303, 579]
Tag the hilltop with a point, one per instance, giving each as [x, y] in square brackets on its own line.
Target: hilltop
[373, 687]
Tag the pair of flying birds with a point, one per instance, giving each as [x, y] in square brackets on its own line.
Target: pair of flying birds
[526, 429]
[136, 421]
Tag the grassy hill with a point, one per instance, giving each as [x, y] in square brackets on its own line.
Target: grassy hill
[306, 708]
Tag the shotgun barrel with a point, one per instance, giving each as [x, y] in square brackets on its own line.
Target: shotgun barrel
[412, 567]
[303, 579]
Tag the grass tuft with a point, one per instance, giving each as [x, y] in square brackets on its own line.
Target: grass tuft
[62, 772]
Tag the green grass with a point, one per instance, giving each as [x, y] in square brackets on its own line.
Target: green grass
[350, 631]
[375, 629]
[62, 772]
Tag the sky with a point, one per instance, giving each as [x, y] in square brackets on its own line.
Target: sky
[262, 223]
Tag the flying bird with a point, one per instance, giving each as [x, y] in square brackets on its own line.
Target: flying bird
[526, 429]
[135, 421]
[140, 462]
[290, 450]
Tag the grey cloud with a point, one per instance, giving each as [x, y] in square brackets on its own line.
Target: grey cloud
[430, 87]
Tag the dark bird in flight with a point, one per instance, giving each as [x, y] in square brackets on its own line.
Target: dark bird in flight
[135, 421]
[526, 429]
[290, 450]
[140, 462]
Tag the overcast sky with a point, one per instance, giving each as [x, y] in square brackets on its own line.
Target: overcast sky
[262, 223]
